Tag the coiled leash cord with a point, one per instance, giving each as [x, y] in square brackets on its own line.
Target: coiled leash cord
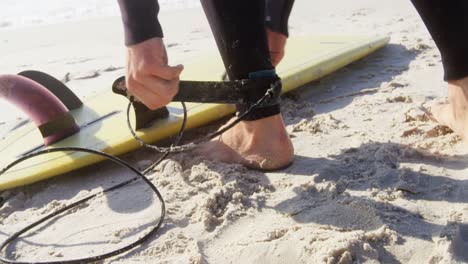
[140, 175]
[68, 207]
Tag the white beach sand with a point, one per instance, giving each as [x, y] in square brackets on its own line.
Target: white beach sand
[373, 180]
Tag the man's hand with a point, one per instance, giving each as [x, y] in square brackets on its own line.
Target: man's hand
[276, 44]
[149, 77]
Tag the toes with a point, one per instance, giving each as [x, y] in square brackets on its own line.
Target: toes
[217, 151]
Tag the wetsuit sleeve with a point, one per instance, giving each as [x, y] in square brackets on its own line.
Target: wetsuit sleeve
[140, 20]
[277, 15]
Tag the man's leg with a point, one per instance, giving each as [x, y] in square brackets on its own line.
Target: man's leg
[261, 141]
[448, 24]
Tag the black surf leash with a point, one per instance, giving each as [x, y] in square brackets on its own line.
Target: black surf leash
[270, 94]
[140, 175]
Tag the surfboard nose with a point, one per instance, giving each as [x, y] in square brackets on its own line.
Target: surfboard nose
[48, 113]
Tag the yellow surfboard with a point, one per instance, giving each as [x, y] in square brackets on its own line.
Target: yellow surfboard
[103, 118]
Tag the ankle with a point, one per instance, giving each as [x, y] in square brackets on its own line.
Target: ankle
[269, 132]
[458, 92]
[272, 123]
[459, 84]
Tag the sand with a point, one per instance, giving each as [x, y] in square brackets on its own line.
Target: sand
[373, 181]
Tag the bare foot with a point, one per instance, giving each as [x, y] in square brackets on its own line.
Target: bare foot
[454, 114]
[261, 144]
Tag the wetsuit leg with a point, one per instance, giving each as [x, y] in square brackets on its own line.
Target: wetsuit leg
[447, 21]
[277, 15]
[239, 30]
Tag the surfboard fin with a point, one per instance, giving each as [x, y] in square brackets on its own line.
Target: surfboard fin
[143, 115]
[59, 89]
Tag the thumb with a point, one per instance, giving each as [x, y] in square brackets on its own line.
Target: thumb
[170, 72]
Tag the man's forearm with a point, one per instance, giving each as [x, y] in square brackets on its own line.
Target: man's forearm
[140, 20]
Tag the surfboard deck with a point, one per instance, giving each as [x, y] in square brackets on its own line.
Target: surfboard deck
[103, 118]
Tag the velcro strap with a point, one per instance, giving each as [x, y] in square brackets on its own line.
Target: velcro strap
[261, 83]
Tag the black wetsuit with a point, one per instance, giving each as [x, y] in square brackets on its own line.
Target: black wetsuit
[141, 22]
[140, 19]
[238, 27]
[447, 21]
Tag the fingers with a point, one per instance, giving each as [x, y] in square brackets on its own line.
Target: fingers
[149, 77]
[142, 94]
[153, 91]
[167, 72]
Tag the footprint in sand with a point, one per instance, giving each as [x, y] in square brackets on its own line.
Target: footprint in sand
[111, 69]
[396, 84]
[170, 45]
[86, 75]
[400, 99]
